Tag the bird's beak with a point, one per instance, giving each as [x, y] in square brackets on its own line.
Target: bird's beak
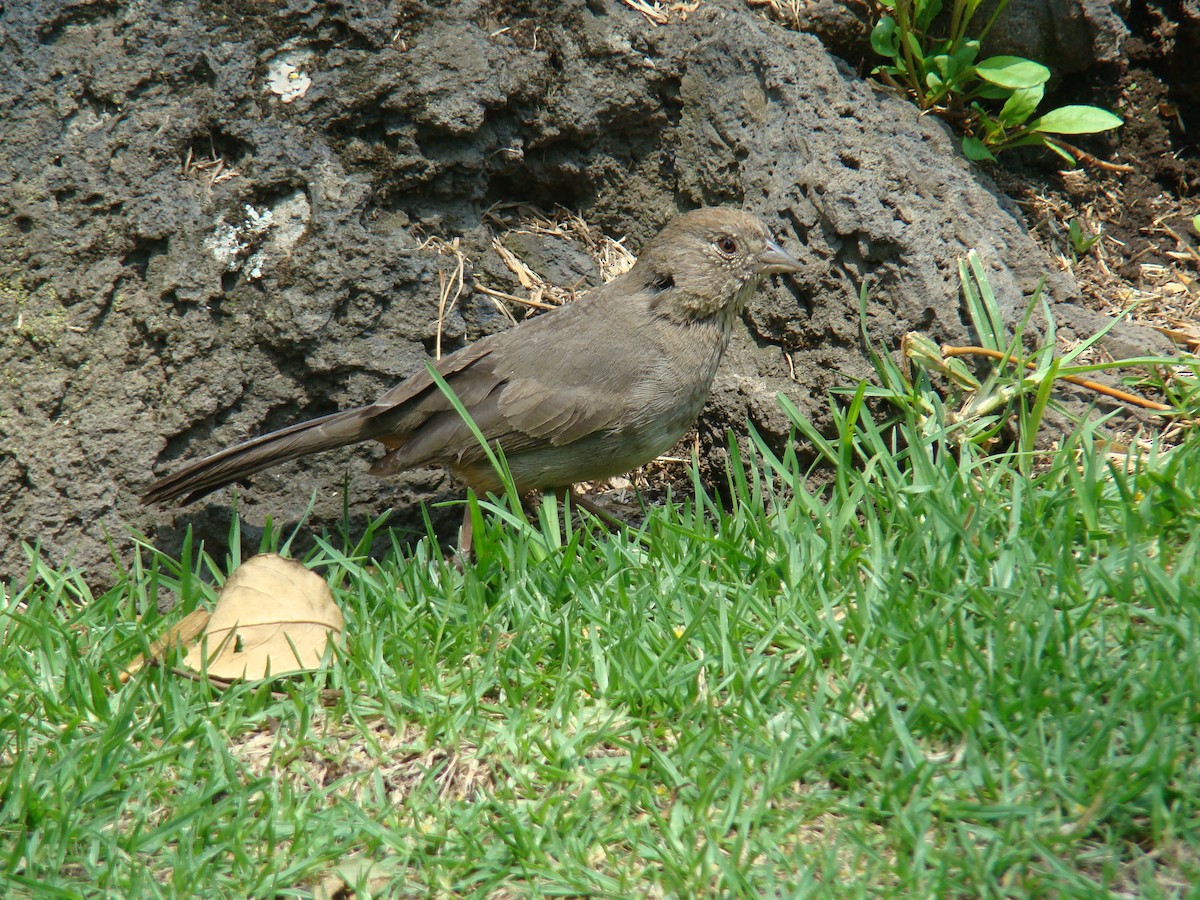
[775, 259]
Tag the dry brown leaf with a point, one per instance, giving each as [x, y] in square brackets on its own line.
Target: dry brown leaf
[182, 632]
[274, 617]
[357, 871]
[1187, 336]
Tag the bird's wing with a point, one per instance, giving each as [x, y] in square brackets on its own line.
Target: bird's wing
[538, 411]
[461, 369]
[549, 382]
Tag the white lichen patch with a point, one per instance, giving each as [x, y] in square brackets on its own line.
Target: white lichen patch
[286, 76]
[261, 237]
[231, 244]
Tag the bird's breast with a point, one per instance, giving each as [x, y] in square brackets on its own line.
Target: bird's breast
[678, 383]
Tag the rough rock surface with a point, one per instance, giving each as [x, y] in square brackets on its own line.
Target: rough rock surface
[187, 260]
[1067, 35]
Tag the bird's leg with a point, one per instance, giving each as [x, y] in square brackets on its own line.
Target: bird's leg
[572, 499]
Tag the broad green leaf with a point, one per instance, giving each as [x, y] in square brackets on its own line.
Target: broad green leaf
[991, 91]
[1012, 72]
[1196, 223]
[1071, 161]
[1020, 105]
[1076, 120]
[914, 45]
[973, 148]
[883, 37]
[955, 72]
[925, 11]
[965, 55]
[898, 69]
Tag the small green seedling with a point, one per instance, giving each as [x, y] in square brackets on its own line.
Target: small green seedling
[1081, 241]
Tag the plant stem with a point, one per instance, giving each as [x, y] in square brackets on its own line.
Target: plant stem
[992, 21]
[1074, 379]
[1088, 159]
[903, 20]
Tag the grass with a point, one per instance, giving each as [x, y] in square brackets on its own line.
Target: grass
[947, 673]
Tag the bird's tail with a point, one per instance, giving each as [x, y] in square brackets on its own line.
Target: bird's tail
[242, 460]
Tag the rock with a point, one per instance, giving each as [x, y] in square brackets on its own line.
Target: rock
[192, 253]
[1066, 35]
[843, 26]
[1123, 340]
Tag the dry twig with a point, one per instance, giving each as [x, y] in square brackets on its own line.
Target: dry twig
[1074, 379]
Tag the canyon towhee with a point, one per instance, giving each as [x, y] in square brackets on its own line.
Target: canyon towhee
[590, 390]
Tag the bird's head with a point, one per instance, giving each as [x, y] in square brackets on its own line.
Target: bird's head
[706, 263]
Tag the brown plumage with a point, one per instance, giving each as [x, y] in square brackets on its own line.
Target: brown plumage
[594, 389]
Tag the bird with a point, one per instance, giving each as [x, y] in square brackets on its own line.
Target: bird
[588, 391]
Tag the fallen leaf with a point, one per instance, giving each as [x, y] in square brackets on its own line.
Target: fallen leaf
[182, 632]
[1186, 335]
[355, 872]
[274, 617]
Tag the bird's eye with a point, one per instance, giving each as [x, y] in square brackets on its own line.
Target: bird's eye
[727, 245]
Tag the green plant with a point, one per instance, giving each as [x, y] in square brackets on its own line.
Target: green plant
[942, 75]
[1081, 241]
[1016, 391]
